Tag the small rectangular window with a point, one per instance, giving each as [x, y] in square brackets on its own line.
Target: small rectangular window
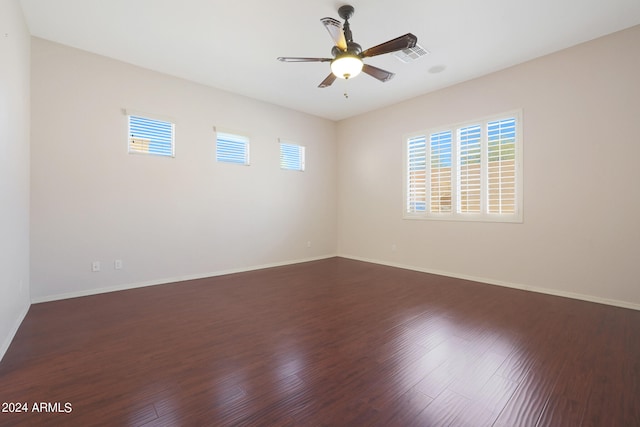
[151, 136]
[291, 156]
[232, 148]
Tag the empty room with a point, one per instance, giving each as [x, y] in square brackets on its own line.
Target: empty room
[406, 213]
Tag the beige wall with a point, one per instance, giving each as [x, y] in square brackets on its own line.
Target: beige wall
[165, 218]
[581, 230]
[14, 170]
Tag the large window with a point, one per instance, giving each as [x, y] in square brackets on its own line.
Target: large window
[470, 171]
[151, 136]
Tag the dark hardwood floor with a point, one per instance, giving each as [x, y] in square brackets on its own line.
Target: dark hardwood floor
[335, 342]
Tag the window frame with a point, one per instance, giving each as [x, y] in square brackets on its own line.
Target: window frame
[455, 214]
[238, 136]
[301, 155]
[155, 118]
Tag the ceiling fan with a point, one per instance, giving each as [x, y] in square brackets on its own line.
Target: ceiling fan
[348, 55]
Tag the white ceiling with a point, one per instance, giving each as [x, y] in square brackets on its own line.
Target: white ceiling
[233, 45]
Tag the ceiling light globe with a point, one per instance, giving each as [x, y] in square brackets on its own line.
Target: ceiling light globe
[346, 66]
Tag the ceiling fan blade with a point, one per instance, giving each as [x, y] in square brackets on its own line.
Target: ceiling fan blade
[377, 73]
[403, 42]
[335, 30]
[290, 59]
[328, 81]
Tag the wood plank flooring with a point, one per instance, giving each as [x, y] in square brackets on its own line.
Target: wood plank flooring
[334, 342]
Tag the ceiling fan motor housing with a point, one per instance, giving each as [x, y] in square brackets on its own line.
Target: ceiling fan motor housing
[354, 48]
[346, 11]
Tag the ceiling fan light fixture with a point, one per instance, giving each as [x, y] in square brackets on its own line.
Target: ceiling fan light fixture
[346, 66]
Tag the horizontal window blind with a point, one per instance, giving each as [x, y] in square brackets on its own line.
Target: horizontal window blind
[231, 148]
[292, 156]
[469, 173]
[502, 166]
[417, 174]
[151, 136]
[440, 151]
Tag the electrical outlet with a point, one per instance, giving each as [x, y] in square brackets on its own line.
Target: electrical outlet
[95, 266]
[394, 248]
[117, 264]
[309, 243]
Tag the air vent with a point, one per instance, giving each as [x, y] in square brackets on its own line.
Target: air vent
[411, 54]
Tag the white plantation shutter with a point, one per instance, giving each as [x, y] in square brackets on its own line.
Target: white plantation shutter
[151, 136]
[502, 166]
[292, 156]
[469, 169]
[440, 150]
[468, 172]
[417, 174]
[231, 148]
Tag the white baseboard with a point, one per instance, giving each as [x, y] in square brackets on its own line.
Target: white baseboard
[165, 281]
[554, 292]
[14, 329]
